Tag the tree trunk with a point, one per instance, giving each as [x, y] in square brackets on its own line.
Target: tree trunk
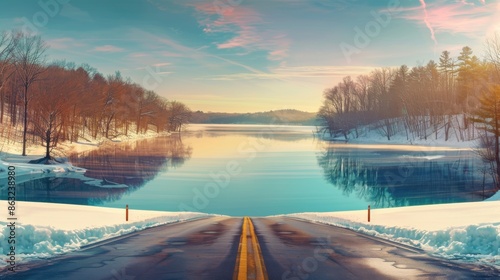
[138, 122]
[13, 109]
[108, 124]
[47, 143]
[73, 132]
[2, 103]
[25, 130]
[497, 142]
[497, 160]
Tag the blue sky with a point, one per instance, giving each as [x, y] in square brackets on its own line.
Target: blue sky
[250, 55]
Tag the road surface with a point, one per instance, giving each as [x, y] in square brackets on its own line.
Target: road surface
[217, 248]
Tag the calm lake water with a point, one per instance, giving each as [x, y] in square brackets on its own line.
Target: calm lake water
[262, 170]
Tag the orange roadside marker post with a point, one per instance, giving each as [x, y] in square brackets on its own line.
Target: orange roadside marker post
[368, 213]
[126, 213]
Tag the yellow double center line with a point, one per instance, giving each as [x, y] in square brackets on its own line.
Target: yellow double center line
[249, 263]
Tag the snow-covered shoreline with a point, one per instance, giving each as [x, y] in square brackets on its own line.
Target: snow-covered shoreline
[458, 231]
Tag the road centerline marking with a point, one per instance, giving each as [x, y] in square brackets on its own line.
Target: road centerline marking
[249, 262]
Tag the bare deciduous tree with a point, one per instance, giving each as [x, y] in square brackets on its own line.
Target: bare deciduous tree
[29, 58]
[492, 53]
[7, 44]
[179, 115]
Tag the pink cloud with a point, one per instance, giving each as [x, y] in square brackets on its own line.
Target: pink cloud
[108, 48]
[426, 21]
[277, 54]
[459, 17]
[246, 24]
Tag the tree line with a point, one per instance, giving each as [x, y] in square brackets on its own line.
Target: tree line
[48, 103]
[455, 97]
[285, 116]
[420, 100]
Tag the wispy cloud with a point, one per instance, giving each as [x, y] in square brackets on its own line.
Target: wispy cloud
[426, 21]
[323, 71]
[63, 43]
[107, 48]
[467, 18]
[247, 25]
[162, 64]
[297, 72]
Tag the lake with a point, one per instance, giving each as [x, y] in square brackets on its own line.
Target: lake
[260, 170]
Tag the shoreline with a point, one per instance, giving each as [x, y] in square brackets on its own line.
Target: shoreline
[402, 141]
[11, 157]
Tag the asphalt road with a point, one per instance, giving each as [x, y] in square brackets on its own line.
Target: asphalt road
[201, 249]
[207, 249]
[295, 249]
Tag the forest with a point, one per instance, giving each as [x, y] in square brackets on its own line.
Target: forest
[46, 103]
[455, 97]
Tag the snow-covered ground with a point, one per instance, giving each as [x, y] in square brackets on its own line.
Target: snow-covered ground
[48, 229]
[11, 146]
[463, 231]
[374, 137]
[373, 134]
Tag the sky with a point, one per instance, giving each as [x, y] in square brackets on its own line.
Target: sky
[250, 55]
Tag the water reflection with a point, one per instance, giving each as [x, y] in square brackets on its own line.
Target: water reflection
[391, 178]
[66, 190]
[133, 164]
[112, 170]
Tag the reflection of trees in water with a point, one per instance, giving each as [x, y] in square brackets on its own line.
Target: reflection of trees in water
[394, 178]
[132, 164]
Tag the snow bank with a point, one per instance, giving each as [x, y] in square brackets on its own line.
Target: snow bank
[465, 231]
[495, 197]
[22, 167]
[46, 229]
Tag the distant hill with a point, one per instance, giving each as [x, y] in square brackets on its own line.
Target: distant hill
[287, 116]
